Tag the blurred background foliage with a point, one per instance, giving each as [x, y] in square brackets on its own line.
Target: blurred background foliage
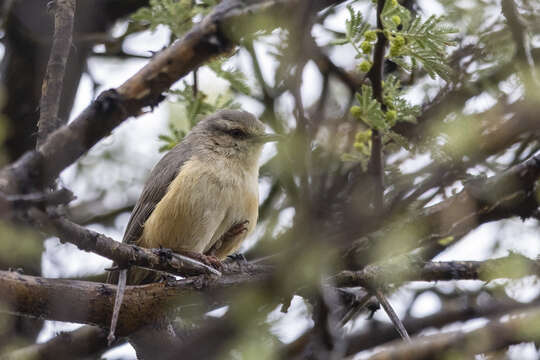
[458, 103]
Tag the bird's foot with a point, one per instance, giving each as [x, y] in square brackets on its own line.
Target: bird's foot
[237, 257]
[205, 259]
[237, 229]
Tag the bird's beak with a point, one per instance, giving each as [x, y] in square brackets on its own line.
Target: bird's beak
[269, 138]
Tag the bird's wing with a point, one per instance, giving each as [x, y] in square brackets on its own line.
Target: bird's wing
[155, 188]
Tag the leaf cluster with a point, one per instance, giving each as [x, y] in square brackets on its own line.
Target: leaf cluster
[236, 78]
[423, 42]
[355, 27]
[178, 15]
[393, 97]
[369, 110]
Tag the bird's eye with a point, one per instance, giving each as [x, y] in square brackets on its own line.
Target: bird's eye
[237, 133]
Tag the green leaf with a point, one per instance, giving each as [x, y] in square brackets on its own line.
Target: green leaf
[392, 9]
[369, 110]
[355, 27]
[165, 138]
[398, 139]
[426, 43]
[236, 78]
[393, 99]
[339, 41]
[178, 15]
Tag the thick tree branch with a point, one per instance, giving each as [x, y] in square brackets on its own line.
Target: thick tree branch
[92, 303]
[51, 90]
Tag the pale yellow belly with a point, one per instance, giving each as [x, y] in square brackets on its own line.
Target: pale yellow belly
[198, 208]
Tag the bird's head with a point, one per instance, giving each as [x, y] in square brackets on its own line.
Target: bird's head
[232, 133]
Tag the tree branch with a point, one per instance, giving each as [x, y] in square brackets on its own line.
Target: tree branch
[517, 28]
[91, 303]
[376, 160]
[406, 268]
[51, 90]
[458, 310]
[80, 343]
[495, 335]
[124, 255]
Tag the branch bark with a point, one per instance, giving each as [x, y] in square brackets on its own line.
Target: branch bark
[83, 342]
[91, 303]
[406, 268]
[124, 255]
[53, 81]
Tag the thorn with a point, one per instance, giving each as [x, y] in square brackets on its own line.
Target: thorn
[117, 304]
[355, 309]
[398, 324]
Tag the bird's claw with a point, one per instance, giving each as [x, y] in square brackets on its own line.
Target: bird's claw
[205, 259]
[237, 229]
[237, 257]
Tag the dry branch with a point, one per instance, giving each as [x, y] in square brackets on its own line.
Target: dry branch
[458, 310]
[407, 268]
[124, 255]
[51, 91]
[495, 335]
[80, 343]
[91, 303]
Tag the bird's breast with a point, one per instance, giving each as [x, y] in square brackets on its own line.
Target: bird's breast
[203, 201]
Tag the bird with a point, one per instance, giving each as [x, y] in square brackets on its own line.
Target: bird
[201, 198]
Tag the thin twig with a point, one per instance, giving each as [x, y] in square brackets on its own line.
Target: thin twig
[59, 197]
[398, 324]
[51, 90]
[195, 83]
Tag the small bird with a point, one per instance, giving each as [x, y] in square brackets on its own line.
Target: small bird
[201, 199]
